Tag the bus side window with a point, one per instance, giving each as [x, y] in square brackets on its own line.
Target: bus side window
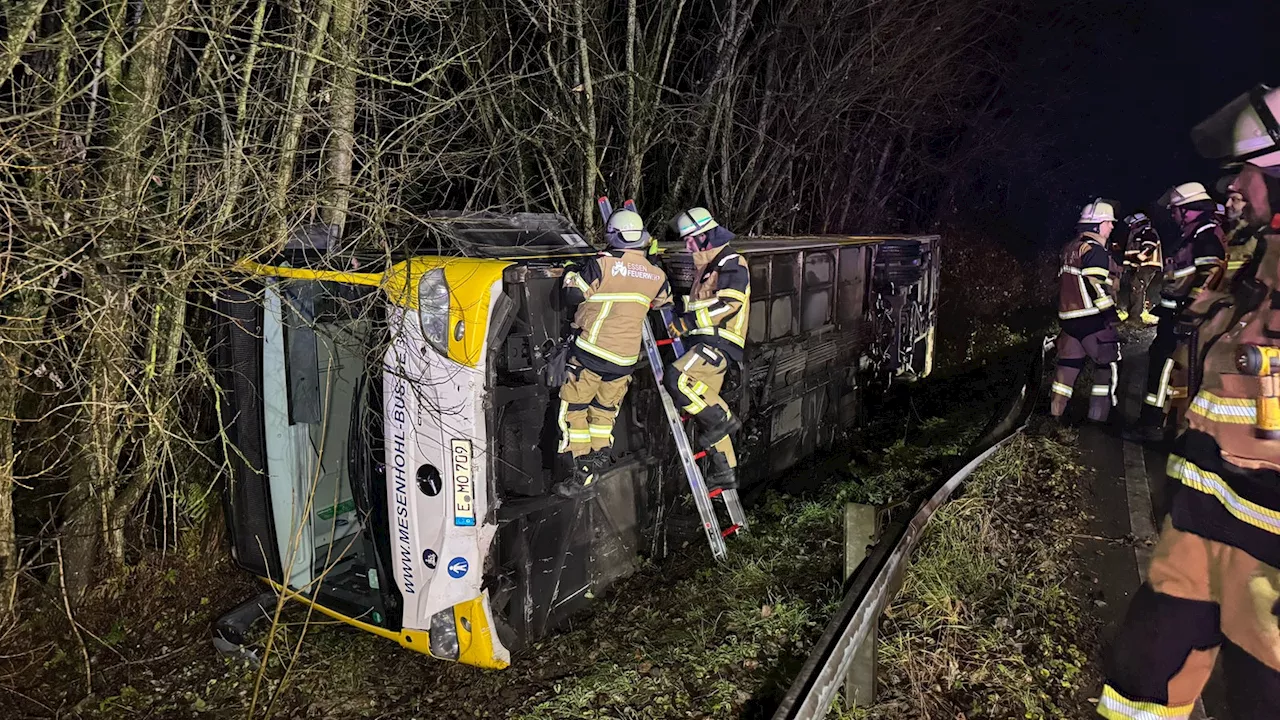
[784, 280]
[819, 281]
[852, 285]
[758, 329]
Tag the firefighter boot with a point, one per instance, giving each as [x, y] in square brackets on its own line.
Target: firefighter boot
[721, 476]
[599, 459]
[717, 424]
[581, 482]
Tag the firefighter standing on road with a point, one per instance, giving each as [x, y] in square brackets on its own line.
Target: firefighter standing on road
[1143, 261]
[714, 325]
[1197, 265]
[1213, 588]
[614, 292]
[1087, 313]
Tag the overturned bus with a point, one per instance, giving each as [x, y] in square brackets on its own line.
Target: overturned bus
[393, 441]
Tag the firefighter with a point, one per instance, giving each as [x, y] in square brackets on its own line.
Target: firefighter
[1087, 314]
[1198, 264]
[614, 292]
[1142, 259]
[714, 325]
[1213, 586]
[1241, 241]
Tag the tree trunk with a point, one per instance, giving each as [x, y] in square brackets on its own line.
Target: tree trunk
[587, 196]
[9, 390]
[20, 20]
[347, 19]
[101, 430]
[291, 136]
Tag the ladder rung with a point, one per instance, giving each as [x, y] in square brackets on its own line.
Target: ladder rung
[730, 530]
[668, 341]
[715, 493]
[701, 454]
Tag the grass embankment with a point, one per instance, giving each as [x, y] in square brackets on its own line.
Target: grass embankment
[989, 622]
[984, 624]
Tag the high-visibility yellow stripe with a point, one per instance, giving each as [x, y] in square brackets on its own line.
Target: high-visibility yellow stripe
[1101, 272]
[594, 335]
[692, 305]
[1208, 260]
[1063, 389]
[732, 294]
[1197, 478]
[1114, 706]
[696, 403]
[576, 280]
[564, 426]
[733, 337]
[623, 360]
[703, 318]
[1185, 272]
[640, 298]
[1085, 312]
[601, 430]
[1235, 411]
[1236, 264]
[1105, 302]
[1101, 390]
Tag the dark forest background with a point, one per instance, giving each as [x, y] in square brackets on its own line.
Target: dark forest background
[146, 145]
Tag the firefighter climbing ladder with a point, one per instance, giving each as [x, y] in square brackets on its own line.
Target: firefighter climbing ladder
[697, 484]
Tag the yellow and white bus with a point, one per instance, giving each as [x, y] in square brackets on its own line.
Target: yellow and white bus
[393, 441]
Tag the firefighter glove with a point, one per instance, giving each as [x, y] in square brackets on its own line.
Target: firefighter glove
[680, 325]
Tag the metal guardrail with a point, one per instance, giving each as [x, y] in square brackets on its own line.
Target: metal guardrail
[815, 687]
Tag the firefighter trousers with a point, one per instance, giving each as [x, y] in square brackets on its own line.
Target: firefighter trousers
[1159, 372]
[588, 407]
[1203, 599]
[1140, 286]
[1103, 348]
[694, 381]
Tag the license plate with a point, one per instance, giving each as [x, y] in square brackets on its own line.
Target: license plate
[464, 507]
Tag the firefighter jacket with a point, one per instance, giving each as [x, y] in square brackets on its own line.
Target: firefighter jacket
[1143, 249]
[1086, 292]
[1198, 264]
[718, 306]
[614, 292]
[1242, 245]
[1230, 477]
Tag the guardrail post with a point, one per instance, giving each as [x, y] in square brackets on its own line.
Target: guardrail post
[861, 531]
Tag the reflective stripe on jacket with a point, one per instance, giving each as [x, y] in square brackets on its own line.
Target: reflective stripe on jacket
[718, 306]
[615, 290]
[1234, 473]
[1143, 249]
[1085, 286]
[1198, 264]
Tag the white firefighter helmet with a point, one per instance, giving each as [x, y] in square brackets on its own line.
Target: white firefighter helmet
[1245, 130]
[694, 221]
[625, 229]
[1137, 220]
[1185, 194]
[1098, 211]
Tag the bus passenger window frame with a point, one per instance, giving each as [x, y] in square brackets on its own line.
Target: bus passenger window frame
[768, 296]
[807, 289]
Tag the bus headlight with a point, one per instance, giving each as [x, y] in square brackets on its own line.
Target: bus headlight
[443, 635]
[433, 309]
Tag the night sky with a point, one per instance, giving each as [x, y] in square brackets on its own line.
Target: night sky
[1119, 85]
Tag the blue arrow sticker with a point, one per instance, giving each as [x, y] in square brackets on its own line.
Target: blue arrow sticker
[458, 567]
[430, 559]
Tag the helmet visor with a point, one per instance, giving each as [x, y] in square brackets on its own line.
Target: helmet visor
[1219, 136]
